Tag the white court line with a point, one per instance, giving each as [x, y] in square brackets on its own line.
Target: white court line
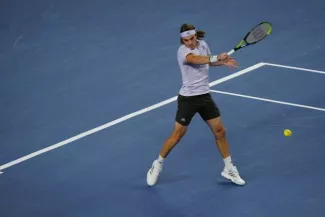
[269, 100]
[124, 118]
[296, 68]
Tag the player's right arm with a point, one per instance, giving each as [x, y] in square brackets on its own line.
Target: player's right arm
[195, 59]
[198, 59]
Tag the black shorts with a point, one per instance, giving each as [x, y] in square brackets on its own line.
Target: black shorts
[188, 106]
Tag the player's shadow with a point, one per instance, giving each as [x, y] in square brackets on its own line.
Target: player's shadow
[226, 183]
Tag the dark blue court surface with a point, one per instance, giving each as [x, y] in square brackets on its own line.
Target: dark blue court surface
[67, 67]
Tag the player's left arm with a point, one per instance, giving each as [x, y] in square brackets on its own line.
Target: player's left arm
[229, 62]
[218, 63]
[223, 59]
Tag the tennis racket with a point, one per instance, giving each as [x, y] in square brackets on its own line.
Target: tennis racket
[256, 34]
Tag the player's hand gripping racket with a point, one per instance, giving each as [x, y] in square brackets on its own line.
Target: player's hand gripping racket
[256, 34]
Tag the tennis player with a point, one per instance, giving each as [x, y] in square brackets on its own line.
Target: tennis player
[194, 58]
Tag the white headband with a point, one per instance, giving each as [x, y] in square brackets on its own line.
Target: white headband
[187, 33]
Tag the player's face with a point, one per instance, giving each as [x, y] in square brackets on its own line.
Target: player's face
[190, 41]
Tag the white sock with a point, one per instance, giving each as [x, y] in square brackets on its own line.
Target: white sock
[228, 163]
[161, 159]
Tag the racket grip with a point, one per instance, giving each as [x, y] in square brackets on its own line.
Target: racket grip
[231, 52]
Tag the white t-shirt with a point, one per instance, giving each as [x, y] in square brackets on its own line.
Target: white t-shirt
[195, 78]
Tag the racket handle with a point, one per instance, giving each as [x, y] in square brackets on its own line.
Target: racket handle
[231, 52]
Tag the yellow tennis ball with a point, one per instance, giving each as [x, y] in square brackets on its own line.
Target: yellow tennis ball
[287, 132]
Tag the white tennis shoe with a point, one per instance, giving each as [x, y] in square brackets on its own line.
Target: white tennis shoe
[233, 175]
[153, 173]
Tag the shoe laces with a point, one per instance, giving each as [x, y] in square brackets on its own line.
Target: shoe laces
[156, 168]
[233, 171]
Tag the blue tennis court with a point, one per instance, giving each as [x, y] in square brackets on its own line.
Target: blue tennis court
[88, 92]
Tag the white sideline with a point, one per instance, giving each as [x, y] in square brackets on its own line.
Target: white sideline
[296, 68]
[269, 100]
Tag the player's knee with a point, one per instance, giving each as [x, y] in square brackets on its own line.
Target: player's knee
[220, 133]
